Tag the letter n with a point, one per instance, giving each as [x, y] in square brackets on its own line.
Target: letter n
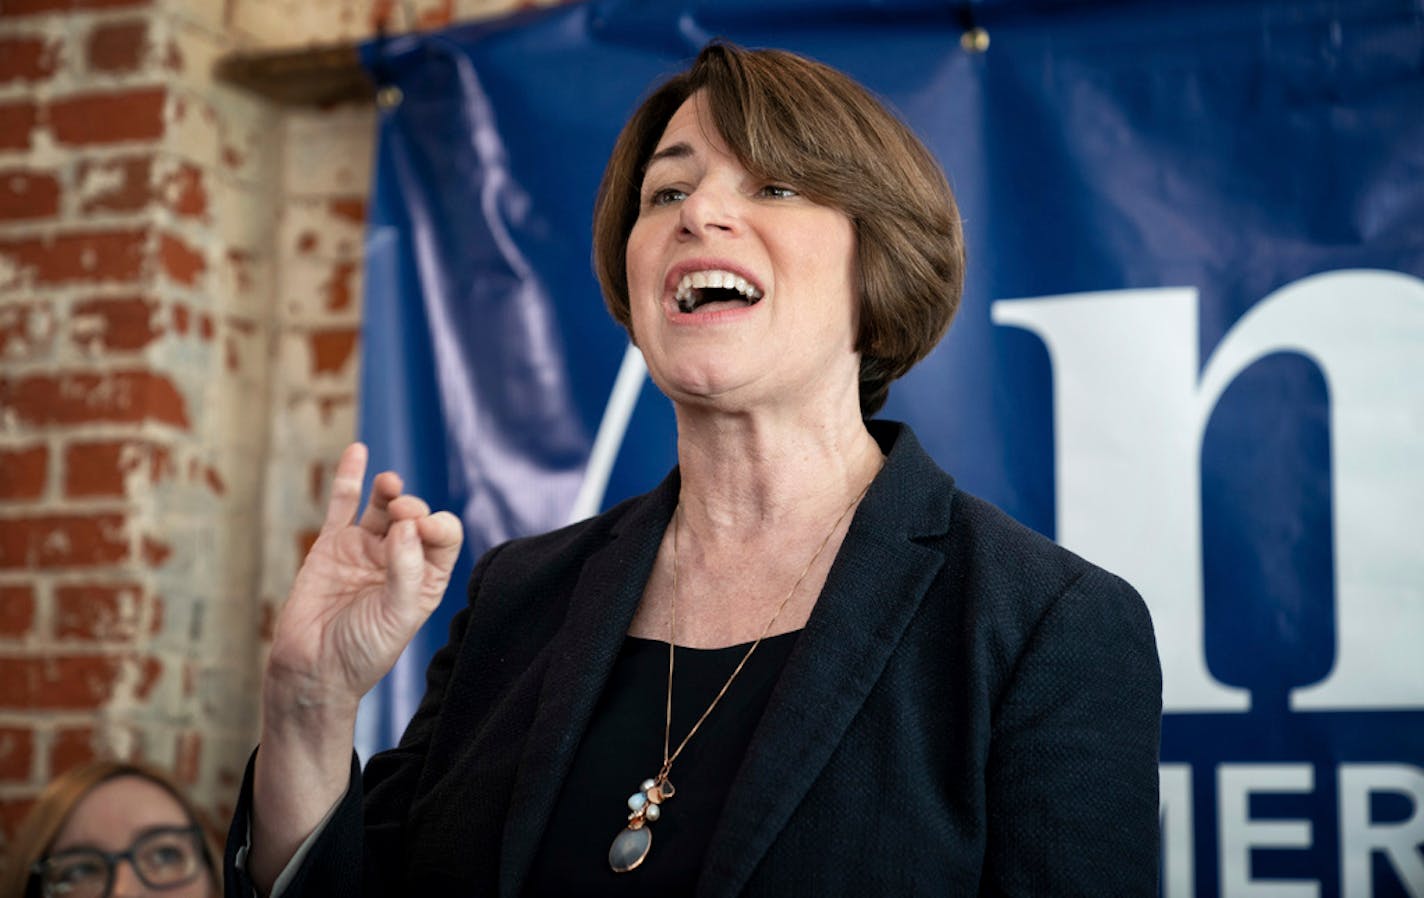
[1129, 414]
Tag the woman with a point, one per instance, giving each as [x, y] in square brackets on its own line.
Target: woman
[112, 828]
[804, 664]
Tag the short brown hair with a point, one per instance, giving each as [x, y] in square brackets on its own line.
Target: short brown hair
[46, 818]
[792, 119]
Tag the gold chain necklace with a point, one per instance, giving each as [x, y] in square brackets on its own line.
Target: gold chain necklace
[630, 847]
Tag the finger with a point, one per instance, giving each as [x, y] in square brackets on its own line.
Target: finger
[346, 487]
[441, 535]
[385, 487]
[405, 574]
[404, 508]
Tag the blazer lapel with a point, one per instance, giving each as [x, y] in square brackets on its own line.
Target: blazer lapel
[581, 658]
[874, 587]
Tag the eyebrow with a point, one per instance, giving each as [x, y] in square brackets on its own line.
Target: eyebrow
[141, 834]
[679, 150]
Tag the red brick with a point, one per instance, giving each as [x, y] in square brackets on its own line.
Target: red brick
[71, 682]
[331, 350]
[188, 755]
[27, 59]
[98, 612]
[382, 13]
[339, 290]
[17, 120]
[28, 195]
[119, 324]
[353, 210]
[316, 481]
[124, 184]
[180, 261]
[17, 753]
[267, 620]
[83, 398]
[71, 747]
[22, 472]
[97, 469]
[182, 191]
[79, 256]
[32, 7]
[17, 611]
[109, 117]
[117, 46]
[432, 17]
[155, 552]
[60, 540]
[13, 810]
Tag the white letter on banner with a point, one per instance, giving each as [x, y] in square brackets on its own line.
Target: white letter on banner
[1129, 417]
[1359, 835]
[1239, 834]
[1127, 459]
[1178, 855]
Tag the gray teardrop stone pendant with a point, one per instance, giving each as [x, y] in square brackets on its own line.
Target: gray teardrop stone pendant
[629, 849]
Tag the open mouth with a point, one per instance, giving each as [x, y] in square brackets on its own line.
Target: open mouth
[714, 290]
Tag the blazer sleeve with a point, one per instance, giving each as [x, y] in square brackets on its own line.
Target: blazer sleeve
[361, 849]
[1071, 779]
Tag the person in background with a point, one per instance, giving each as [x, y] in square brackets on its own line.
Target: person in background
[806, 664]
[112, 828]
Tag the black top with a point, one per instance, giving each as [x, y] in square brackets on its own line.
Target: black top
[624, 746]
[969, 710]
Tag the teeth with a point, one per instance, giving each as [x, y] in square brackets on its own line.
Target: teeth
[699, 280]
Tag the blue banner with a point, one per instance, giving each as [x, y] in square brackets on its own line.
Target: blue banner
[1191, 348]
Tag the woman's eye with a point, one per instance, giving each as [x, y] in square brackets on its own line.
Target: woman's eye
[77, 872]
[777, 191]
[665, 196]
[167, 856]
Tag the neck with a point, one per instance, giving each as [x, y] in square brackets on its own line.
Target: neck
[747, 475]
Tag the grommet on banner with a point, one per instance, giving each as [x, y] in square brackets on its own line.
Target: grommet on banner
[389, 97]
[974, 40]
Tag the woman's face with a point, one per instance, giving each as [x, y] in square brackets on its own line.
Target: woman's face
[781, 328]
[118, 815]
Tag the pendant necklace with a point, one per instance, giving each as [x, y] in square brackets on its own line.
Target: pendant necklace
[630, 848]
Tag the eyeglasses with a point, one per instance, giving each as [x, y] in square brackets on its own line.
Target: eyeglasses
[163, 859]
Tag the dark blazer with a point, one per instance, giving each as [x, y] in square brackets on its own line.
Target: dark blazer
[970, 709]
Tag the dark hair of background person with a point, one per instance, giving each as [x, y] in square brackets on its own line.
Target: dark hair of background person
[59, 798]
[789, 119]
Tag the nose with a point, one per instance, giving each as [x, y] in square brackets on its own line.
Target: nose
[709, 210]
[126, 881]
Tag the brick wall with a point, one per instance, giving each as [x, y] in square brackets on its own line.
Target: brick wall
[180, 269]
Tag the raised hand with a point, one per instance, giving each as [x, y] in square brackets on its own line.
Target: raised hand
[364, 589]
